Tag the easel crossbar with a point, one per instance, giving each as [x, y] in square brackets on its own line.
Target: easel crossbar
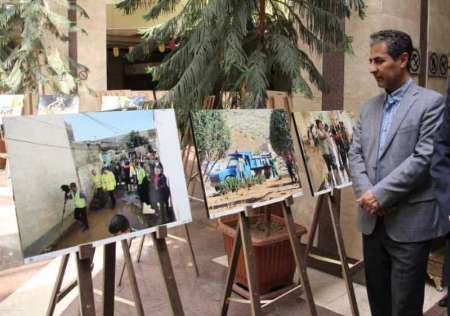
[269, 302]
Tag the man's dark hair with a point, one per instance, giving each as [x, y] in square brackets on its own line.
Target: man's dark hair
[397, 43]
[119, 224]
[73, 185]
[318, 122]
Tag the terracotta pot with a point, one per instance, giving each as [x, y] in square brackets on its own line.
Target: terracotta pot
[275, 264]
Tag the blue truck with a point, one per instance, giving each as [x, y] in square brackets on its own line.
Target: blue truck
[242, 164]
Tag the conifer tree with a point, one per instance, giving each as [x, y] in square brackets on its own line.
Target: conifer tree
[25, 60]
[248, 46]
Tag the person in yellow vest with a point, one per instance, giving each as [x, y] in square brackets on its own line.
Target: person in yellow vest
[80, 202]
[109, 185]
[140, 174]
[97, 179]
[133, 175]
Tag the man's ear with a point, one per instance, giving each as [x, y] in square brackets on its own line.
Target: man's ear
[404, 60]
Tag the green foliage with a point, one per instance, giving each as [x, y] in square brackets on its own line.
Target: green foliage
[212, 135]
[232, 184]
[251, 181]
[26, 62]
[245, 46]
[136, 140]
[280, 134]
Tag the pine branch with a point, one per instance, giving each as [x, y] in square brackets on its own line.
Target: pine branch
[255, 80]
[130, 6]
[26, 63]
[162, 7]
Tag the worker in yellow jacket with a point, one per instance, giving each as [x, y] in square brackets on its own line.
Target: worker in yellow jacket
[109, 184]
[140, 174]
[97, 179]
[80, 201]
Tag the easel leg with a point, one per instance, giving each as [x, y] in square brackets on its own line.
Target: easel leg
[232, 270]
[313, 229]
[123, 267]
[167, 271]
[191, 172]
[296, 249]
[194, 183]
[250, 266]
[132, 278]
[85, 287]
[191, 249]
[59, 280]
[109, 278]
[141, 245]
[343, 256]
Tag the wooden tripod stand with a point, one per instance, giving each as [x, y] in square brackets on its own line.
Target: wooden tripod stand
[243, 239]
[84, 264]
[84, 258]
[348, 270]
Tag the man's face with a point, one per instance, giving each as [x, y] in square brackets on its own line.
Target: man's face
[387, 71]
[73, 189]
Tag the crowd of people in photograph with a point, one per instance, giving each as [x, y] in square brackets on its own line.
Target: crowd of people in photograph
[141, 175]
[333, 142]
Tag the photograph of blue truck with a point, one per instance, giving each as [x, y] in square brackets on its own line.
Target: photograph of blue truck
[245, 158]
[242, 165]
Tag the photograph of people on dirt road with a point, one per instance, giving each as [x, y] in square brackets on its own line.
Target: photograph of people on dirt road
[245, 158]
[73, 173]
[325, 138]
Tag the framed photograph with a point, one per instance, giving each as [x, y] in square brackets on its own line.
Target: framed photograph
[116, 103]
[10, 105]
[245, 158]
[94, 178]
[325, 138]
[58, 104]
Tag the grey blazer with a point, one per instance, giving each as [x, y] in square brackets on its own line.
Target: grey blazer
[403, 165]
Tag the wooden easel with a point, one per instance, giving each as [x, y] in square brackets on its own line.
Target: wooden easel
[243, 239]
[348, 270]
[159, 240]
[84, 259]
[141, 246]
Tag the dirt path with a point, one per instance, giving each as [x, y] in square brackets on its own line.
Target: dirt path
[270, 189]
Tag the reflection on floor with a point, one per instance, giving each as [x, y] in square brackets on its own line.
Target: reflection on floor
[127, 204]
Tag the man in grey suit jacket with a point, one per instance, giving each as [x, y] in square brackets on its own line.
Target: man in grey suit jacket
[440, 171]
[390, 165]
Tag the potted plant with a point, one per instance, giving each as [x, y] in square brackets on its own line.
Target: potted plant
[274, 260]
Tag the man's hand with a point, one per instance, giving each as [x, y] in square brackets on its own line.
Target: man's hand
[369, 202]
